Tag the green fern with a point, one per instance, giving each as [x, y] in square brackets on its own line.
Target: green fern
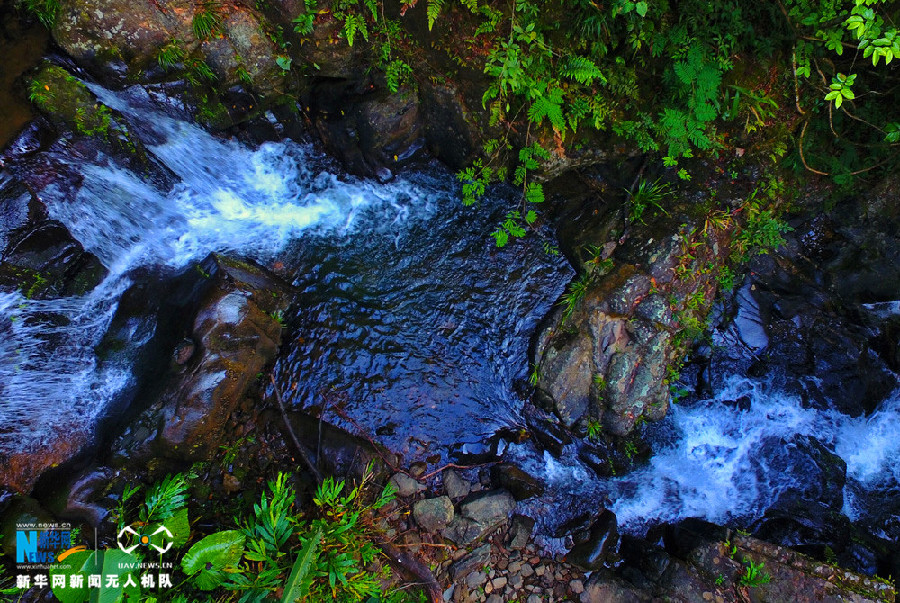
[548, 106]
[582, 70]
[433, 10]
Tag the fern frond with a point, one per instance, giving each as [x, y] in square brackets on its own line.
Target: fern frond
[582, 70]
[434, 9]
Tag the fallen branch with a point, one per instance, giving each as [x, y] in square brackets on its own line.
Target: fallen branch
[413, 569]
[303, 454]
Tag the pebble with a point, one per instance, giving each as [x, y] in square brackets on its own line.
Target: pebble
[516, 581]
[533, 599]
[498, 583]
[494, 599]
[527, 571]
[577, 586]
[539, 570]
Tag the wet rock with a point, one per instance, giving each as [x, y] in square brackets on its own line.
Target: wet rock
[686, 535]
[548, 433]
[455, 486]
[808, 511]
[83, 499]
[405, 485]
[433, 514]
[491, 507]
[43, 261]
[601, 546]
[452, 135]
[520, 531]
[237, 333]
[608, 359]
[519, 483]
[120, 39]
[370, 133]
[606, 588]
[20, 469]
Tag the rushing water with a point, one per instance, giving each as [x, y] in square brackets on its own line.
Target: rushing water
[408, 324]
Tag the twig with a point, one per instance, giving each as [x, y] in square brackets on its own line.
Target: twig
[451, 466]
[413, 568]
[303, 454]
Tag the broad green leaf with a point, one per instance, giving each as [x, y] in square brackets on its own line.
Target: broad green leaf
[76, 563]
[641, 8]
[216, 551]
[300, 579]
[123, 565]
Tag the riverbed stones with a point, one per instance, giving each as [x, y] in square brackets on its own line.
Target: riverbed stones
[433, 514]
[480, 513]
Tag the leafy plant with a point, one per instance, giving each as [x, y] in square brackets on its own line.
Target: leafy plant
[577, 290]
[206, 22]
[171, 54]
[645, 195]
[45, 10]
[164, 499]
[594, 429]
[754, 575]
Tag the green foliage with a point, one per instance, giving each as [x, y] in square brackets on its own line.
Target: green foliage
[206, 22]
[576, 292]
[841, 89]
[208, 561]
[594, 429]
[164, 499]
[303, 24]
[646, 194]
[45, 10]
[754, 575]
[301, 577]
[170, 55]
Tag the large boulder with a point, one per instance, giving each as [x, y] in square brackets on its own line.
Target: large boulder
[641, 300]
[235, 333]
[115, 37]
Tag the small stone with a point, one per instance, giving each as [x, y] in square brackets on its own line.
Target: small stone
[433, 514]
[494, 599]
[503, 564]
[417, 469]
[455, 486]
[527, 571]
[231, 484]
[576, 586]
[476, 579]
[520, 531]
[533, 599]
[448, 594]
[405, 485]
[515, 567]
[499, 583]
[539, 570]
[707, 596]
[516, 581]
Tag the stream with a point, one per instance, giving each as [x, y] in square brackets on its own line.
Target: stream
[405, 314]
